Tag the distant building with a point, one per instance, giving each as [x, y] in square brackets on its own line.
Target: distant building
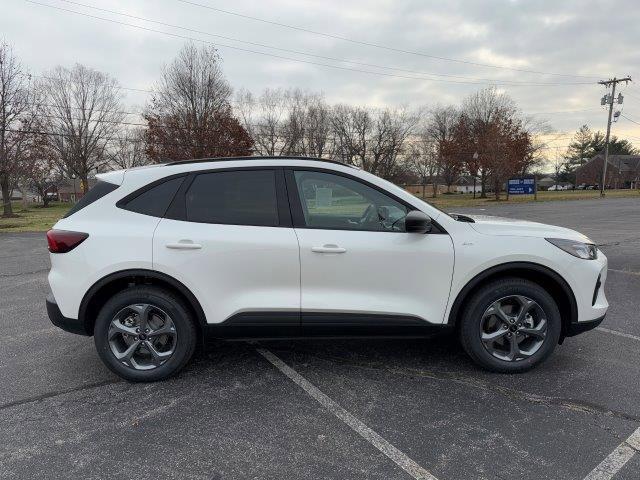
[70, 189]
[465, 184]
[545, 182]
[424, 190]
[623, 171]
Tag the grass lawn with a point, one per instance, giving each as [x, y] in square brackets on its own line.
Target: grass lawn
[34, 218]
[38, 219]
[447, 202]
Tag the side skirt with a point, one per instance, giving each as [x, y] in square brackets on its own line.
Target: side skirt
[289, 325]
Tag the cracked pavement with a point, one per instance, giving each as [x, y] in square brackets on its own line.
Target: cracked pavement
[230, 414]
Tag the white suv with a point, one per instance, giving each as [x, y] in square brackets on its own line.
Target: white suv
[154, 260]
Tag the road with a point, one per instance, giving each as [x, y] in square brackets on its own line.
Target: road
[388, 409]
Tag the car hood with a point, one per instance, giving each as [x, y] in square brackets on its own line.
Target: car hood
[489, 225]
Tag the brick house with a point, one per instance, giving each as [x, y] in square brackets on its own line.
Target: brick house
[623, 171]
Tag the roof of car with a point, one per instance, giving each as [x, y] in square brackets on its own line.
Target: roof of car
[286, 157]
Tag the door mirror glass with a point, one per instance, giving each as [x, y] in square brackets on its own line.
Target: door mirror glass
[417, 222]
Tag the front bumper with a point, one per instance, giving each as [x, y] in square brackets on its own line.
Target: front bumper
[71, 325]
[581, 327]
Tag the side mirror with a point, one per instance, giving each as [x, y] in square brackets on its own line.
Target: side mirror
[417, 222]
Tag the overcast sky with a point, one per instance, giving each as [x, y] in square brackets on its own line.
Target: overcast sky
[585, 40]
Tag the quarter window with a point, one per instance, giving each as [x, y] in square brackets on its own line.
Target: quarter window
[335, 202]
[234, 198]
[156, 199]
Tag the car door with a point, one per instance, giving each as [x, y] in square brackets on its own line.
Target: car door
[228, 237]
[358, 264]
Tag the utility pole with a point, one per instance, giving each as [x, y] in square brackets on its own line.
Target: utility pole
[609, 99]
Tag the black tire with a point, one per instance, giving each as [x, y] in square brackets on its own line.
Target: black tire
[471, 324]
[186, 335]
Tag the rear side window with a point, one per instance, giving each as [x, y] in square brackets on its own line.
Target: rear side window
[235, 198]
[98, 191]
[155, 200]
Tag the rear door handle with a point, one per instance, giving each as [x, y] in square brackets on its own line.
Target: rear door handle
[184, 245]
[329, 248]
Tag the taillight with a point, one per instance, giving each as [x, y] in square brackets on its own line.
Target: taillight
[63, 241]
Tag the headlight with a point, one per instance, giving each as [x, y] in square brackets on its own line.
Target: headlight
[587, 251]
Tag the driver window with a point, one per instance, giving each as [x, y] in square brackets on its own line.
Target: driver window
[335, 202]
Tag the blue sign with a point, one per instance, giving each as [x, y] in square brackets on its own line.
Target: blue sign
[521, 186]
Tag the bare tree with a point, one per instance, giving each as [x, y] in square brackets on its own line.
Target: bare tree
[128, 150]
[265, 118]
[422, 158]
[286, 122]
[352, 128]
[190, 115]
[558, 164]
[82, 112]
[392, 128]
[440, 129]
[16, 118]
[317, 139]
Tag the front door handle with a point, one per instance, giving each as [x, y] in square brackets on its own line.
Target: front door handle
[184, 245]
[328, 248]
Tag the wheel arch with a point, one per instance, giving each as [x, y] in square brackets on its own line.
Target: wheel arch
[115, 282]
[547, 278]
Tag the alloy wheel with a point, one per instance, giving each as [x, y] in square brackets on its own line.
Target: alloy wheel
[513, 328]
[142, 336]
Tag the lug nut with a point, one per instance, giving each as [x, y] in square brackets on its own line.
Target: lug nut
[146, 330]
[137, 330]
[136, 338]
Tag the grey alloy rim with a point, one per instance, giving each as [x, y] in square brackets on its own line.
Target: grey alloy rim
[142, 336]
[513, 328]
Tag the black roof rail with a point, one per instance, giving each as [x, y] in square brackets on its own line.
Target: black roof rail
[283, 157]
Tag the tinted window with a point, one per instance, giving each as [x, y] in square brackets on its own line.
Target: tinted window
[98, 191]
[332, 201]
[155, 200]
[236, 198]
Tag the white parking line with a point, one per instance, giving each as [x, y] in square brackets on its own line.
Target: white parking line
[403, 461]
[616, 459]
[620, 334]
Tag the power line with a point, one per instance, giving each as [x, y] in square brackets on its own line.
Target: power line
[133, 140]
[376, 45]
[119, 87]
[565, 111]
[298, 52]
[369, 72]
[141, 114]
[631, 120]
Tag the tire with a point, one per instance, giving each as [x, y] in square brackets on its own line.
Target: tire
[484, 319]
[172, 341]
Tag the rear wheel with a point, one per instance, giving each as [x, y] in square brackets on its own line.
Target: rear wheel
[511, 325]
[145, 334]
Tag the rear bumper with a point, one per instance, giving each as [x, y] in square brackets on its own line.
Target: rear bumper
[581, 327]
[71, 325]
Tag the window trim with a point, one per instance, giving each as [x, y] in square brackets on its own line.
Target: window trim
[298, 213]
[178, 210]
[122, 203]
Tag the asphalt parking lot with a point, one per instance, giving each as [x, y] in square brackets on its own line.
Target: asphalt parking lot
[328, 408]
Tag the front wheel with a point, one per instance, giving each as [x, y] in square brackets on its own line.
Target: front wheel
[510, 326]
[145, 334]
